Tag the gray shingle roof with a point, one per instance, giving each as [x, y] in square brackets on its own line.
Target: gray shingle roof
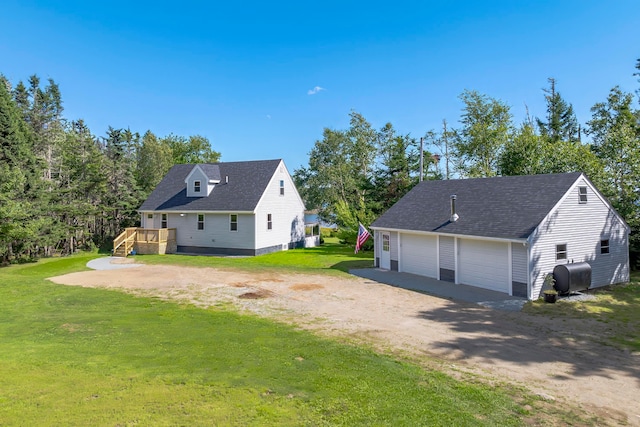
[247, 182]
[502, 207]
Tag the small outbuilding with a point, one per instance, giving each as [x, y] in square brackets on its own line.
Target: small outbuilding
[504, 233]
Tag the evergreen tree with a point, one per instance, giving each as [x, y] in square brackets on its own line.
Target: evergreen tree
[561, 123]
[123, 196]
[20, 225]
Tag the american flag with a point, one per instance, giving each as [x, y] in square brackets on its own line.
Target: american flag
[363, 235]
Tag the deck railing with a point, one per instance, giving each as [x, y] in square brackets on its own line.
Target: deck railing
[125, 242]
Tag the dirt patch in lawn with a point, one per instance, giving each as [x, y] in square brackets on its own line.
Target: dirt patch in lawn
[562, 360]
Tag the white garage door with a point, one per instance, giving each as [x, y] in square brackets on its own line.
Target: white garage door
[418, 255]
[484, 264]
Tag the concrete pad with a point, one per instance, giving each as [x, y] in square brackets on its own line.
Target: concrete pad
[107, 263]
[439, 288]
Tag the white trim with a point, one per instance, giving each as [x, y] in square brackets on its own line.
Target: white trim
[438, 257]
[210, 181]
[198, 222]
[230, 222]
[455, 261]
[529, 281]
[510, 269]
[293, 186]
[465, 236]
[569, 192]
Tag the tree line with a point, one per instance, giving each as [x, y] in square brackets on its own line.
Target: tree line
[356, 174]
[62, 188]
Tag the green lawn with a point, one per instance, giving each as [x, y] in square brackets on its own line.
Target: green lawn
[79, 356]
[330, 258]
[617, 305]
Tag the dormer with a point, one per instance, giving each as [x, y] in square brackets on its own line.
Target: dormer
[202, 179]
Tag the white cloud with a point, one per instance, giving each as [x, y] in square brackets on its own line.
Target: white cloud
[315, 90]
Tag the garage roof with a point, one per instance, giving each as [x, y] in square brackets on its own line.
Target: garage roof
[501, 207]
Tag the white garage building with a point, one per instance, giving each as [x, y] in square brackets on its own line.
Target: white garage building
[504, 233]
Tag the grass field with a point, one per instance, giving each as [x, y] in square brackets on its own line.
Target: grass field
[329, 258]
[76, 356]
[618, 306]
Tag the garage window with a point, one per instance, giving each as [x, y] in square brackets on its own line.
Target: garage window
[385, 242]
[582, 195]
[561, 251]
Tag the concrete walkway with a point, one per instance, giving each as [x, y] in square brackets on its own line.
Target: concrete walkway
[448, 290]
[105, 263]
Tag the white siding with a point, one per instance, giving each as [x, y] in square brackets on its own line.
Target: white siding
[447, 253]
[394, 242]
[287, 213]
[484, 264]
[519, 262]
[216, 233]
[197, 175]
[419, 254]
[581, 227]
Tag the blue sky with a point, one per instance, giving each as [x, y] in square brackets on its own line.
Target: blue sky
[243, 73]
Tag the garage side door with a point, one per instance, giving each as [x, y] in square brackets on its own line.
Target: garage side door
[484, 264]
[418, 255]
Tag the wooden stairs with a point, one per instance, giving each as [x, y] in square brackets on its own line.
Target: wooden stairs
[123, 244]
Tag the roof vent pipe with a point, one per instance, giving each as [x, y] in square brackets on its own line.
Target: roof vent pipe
[226, 179]
[454, 215]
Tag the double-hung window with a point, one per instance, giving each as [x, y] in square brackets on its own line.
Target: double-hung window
[561, 251]
[200, 221]
[233, 222]
[582, 195]
[604, 246]
[164, 221]
[282, 187]
[196, 186]
[269, 222]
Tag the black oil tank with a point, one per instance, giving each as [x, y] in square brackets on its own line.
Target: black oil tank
[572, 277]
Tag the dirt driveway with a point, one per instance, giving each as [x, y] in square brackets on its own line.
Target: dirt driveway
[558, 360]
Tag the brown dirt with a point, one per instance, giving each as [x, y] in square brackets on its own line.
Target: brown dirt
[557, 360]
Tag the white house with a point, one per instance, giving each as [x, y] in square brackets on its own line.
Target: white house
[237, 208]
[504, 233]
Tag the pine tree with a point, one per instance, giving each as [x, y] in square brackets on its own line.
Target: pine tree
[561, 123]
[20, 225]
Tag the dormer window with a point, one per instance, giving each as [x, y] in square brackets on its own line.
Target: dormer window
[196, 186]
[582, 195]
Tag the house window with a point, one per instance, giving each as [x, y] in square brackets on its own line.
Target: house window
[282, 187]
[233, 222]
[604, 246]
[582, 194]
[385, 243]
[196, 186]
[150, 216]
[200, 221]
[561, 251]
[164, 221]
[269, 223]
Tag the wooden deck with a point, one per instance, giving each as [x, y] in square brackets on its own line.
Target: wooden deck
[145, 241]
